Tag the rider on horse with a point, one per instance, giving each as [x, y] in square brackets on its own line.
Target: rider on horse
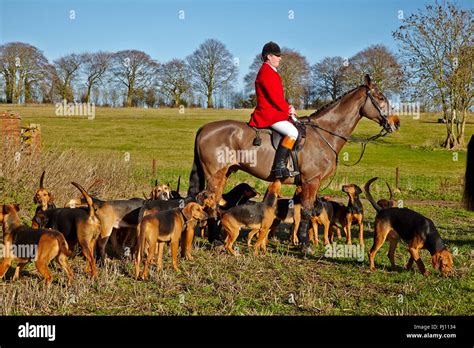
[273, 111]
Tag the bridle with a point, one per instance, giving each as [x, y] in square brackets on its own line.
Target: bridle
[376, 105]
[383, 132]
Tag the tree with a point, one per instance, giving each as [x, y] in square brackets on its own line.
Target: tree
[436, 44]
[150, 97]
[175, 80]
[382, 66]
[212, 67]
[94, 66]
[329, 77]
[67, 69]
[21, 66]
[294, 72]
[135, 70]
[47, 85]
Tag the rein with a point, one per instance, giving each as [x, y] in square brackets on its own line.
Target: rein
[363, 142]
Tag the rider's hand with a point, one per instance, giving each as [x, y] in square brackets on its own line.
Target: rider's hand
[291, 110]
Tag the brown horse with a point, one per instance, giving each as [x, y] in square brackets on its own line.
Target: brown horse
[223, 147]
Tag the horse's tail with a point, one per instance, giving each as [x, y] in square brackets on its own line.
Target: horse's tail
[468, 196]
[196, 178]
[369, 196]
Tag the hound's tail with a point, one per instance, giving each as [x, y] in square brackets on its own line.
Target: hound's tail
[468, 196]
[196, 178]
[369, 196]
[88, 199]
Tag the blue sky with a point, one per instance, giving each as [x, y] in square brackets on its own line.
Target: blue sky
[318, 29]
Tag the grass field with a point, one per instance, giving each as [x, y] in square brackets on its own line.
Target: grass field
[281, 283]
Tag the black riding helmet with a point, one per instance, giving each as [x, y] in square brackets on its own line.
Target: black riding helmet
[270, 48]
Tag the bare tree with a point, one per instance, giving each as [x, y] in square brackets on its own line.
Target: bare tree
[381, 64]
[249, 78]
[67, 69]
[48, 84]
[213, 68]
[21, 67]
[114, 97]
[294, 71]
[135, 70]
[94, 66]
[150, 97]
[329, 77]
[437, 46]
[175, 80]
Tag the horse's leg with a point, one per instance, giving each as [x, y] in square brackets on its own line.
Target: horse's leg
[216, 184]
[308, 196]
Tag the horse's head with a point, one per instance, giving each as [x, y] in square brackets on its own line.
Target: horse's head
[377, 108]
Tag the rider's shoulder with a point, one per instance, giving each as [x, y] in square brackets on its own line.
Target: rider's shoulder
[266, 70]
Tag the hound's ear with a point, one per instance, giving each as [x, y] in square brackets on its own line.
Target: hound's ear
[358, 190]
[435, 261]
[368, 81]
[187, 211]
[35, 201]
[51, 197]
[17, 207]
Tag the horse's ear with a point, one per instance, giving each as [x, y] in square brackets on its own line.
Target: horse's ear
[368, 81]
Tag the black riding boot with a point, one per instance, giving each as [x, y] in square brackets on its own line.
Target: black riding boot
[302, 234]
[280, 169]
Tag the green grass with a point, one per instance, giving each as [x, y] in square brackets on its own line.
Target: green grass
[219, 284]
[168, 136]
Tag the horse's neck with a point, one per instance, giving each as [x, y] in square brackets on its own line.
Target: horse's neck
[341, 118]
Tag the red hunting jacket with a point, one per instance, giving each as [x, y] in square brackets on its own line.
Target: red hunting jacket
[271, 104]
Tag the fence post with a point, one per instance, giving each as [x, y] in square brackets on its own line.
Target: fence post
[397, 179]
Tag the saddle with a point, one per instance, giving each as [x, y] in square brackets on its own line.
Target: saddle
[275, 140]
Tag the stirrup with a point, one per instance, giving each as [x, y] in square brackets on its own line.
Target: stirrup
[279, 173]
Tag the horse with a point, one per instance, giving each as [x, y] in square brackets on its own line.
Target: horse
[468, 196]
[223, 147]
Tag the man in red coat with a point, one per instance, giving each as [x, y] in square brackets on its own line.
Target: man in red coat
[272, 110]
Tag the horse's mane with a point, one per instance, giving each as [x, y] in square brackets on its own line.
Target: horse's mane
[331, 103]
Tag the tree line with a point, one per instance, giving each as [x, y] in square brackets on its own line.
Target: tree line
[434, 66]
[133, 78]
